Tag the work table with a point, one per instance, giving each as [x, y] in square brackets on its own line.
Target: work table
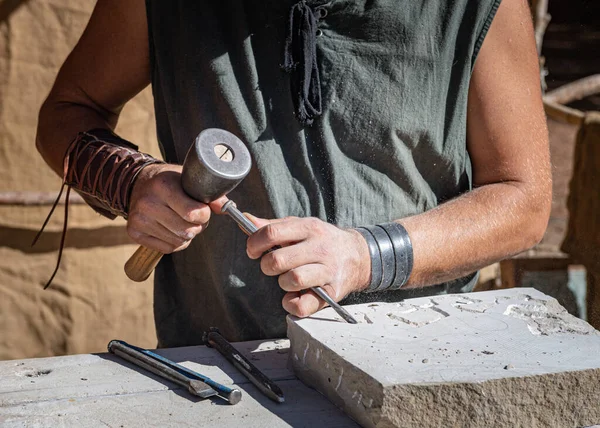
[104, 390]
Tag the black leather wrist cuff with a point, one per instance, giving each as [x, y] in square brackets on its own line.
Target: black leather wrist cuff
[403, 252]
[376, 264]
[391, 254]
[388, 260]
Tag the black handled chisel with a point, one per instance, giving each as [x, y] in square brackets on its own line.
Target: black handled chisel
[214, 339]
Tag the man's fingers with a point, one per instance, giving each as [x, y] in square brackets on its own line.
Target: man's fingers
[187, 208]
[306, 276]
[162, 217]
[158, 244]
[217, 205]
[158, 231]
[142, 226]
[175, 224]
[261, 222]
[284, 259]
[280, 232]
[302, 304]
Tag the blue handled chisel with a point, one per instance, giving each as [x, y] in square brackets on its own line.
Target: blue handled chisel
[198, 384]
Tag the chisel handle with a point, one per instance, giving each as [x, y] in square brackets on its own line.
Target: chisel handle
[141, 263]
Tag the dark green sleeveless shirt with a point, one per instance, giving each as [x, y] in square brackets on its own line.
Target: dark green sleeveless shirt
[391, 140]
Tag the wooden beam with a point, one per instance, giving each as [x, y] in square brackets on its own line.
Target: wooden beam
[37, 198]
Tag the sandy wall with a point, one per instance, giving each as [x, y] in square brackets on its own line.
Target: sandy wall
[91, 300]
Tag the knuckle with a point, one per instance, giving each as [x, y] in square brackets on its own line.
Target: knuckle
[277, 263]
[301, 311]
[321, 250]
[133, 214]
[314, 222]
[143, 205]
[133, 232]
[189, 216]
[141, 221]
[204, 214]
[271, 232]
[189, 213]
[296, 279]
[196, 215]
[157, 184]
[136, 209]
[166, 179]
[190, 233]
[313, 225]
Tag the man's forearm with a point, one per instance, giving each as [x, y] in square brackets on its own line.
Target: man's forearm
[490, 223]
[108, 66]
[60, 121]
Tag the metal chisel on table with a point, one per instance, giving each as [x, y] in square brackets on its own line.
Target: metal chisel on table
[214, 339]
[196, 383]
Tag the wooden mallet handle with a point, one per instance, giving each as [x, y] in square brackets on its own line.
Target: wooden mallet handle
[141, 264]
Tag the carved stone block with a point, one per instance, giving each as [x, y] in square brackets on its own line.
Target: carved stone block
[502, 358]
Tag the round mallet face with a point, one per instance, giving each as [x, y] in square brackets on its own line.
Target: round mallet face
[216, 163]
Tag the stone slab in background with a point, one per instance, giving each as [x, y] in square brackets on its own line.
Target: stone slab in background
[502, 358]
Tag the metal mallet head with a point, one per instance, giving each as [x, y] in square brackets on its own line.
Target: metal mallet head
[215, 164]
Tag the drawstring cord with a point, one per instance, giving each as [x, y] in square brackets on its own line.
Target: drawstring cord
[300, 60]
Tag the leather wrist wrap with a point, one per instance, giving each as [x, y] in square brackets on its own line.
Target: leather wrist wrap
[102, 168]
[391, 255]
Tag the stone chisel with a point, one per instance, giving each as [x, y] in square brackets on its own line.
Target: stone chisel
[196, 383]
[215, 340]
[249, 228]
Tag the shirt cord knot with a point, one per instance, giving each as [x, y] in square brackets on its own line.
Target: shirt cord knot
[300, 60]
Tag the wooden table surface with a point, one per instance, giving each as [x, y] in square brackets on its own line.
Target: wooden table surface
[102, 390]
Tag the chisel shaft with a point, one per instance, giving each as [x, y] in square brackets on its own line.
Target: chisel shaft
[214, 339]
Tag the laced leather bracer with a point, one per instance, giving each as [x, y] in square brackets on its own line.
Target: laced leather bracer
[102, 168]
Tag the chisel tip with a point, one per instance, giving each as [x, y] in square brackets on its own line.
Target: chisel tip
[200, 389]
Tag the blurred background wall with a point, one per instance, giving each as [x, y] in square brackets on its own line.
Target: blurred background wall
[91, 300]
